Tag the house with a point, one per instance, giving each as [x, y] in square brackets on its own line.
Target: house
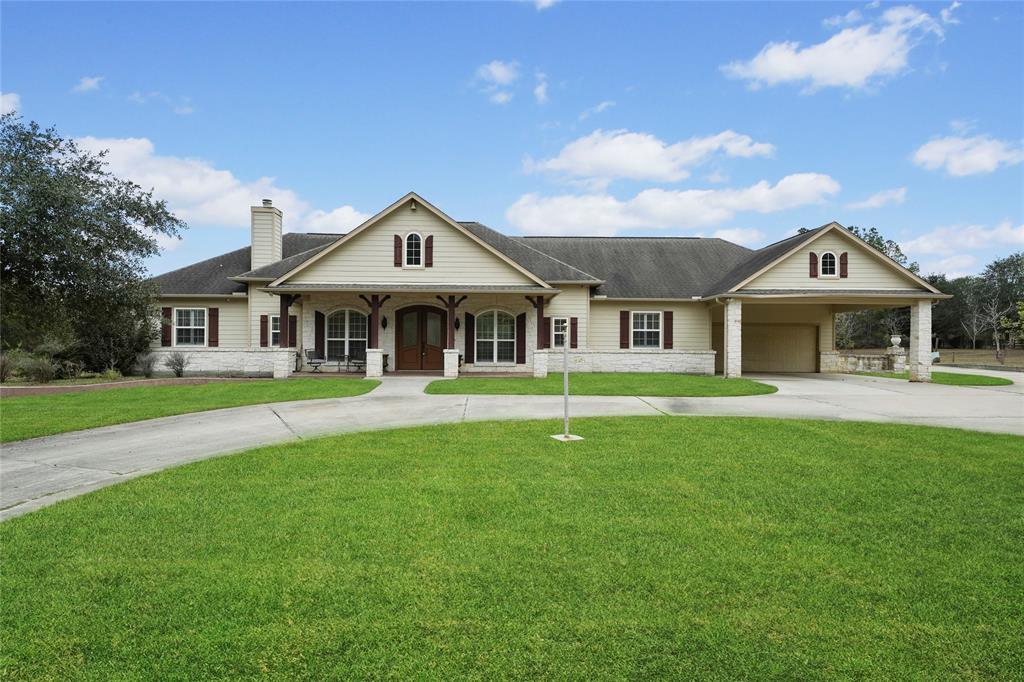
[413, 289]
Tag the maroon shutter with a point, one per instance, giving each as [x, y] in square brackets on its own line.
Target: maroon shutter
[521, 339]
[398, 250]
[428, 252]
[623, 329]
[166, 326]
[573, 331]
[666, 334]
[263, 331]
[547, 332]
[213, 322]
[844, 265]
[814, 264]
[293, 328]
[320, 331]
[470, 334]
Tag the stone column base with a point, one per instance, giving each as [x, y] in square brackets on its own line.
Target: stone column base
[828, 362]
[540, 364]
[374, 362]
[896, 359]
[451, 362]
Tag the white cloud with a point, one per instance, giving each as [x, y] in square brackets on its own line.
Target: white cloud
[740, 235]
[947, 14]
[540, 91]
[181, 106]
[952, 267]
[607, 155]
[542, 5]
[501, 97]
[87, 84]
[955, 239]
[596, 109]
[9, 101]
[883, 198]
[603, 214]
[498, 73]
[202, 194]
[856, 57]
[968, 155]
[851, 17]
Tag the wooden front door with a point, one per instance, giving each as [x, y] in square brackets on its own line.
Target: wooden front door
[420, 337]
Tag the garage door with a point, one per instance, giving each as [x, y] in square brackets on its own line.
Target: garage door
[780, 348]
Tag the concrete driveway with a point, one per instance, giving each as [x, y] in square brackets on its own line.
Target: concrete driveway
[41, 471]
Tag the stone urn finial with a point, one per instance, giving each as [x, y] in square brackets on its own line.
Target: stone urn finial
[895, 340]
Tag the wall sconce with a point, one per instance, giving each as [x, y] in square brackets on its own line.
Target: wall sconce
[383, 322]
[456, 323]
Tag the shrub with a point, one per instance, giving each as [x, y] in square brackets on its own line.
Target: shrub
[37, 368]
[177, 362]
[146, 364]
[6, 367]
[112, 375]
[70, 369]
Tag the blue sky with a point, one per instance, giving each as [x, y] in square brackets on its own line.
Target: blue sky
[739, 120]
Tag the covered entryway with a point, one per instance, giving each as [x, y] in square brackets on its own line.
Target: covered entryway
[420, 337]
[780, 348]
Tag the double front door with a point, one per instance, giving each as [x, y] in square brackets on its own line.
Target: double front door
[420, 337]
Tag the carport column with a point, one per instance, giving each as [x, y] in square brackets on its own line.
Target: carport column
[732, 344]
[920, 359]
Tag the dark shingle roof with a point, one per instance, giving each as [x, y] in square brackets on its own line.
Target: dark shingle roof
[759, 259]
[547, 266]
[646, 267]
[211, 276]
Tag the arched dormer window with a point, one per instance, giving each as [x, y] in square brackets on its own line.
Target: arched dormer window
[828, 264]
[413, 250]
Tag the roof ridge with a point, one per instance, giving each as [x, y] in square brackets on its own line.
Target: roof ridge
[537, 251]
[205, 260]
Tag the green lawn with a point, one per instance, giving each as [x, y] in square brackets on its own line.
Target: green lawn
[947, 378]
[44, 415]
[659, 547]
[604, 383]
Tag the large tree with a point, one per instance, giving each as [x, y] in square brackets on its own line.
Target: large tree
[73, 240]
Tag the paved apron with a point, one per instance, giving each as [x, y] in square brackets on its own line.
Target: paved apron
[41, 471]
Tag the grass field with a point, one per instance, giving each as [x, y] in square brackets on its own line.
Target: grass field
[660, 547]
[44, 415]
[1013, 357]
[604, 383]
[947, 378]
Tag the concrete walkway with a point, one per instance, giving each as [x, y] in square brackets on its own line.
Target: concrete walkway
[41, 471]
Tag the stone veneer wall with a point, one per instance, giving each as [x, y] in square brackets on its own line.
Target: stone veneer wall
[276, 362]
[833, 362]
[679, 361]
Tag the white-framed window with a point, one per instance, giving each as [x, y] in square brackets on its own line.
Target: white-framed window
[275, 330]
[495, 337]
[190, 326]
[346, 335]
[646, 332]
[413, 250]
[559, 331]
[829, 264]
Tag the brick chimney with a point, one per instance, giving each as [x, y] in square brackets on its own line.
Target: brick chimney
[266, 234]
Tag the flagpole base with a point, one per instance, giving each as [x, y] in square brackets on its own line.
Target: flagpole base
[566, 437]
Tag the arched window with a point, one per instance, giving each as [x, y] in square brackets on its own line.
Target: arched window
[346, 335]
[413, 250]
[495, 337]
[828, 264]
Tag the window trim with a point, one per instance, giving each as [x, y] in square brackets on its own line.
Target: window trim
[346, 351]
[661, 329]
[494, 340]
[821, 265]
[205, 327]
[565, 333]
[405, 251]
[270, 331]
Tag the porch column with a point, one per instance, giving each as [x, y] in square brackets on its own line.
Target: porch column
[286, 302]
[540, 323]
[920, 356]
[732, 344]
[373, 322]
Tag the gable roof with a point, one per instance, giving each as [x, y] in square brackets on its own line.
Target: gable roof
[212, 276]
[645, 267]
[546, 266]
[411, 196]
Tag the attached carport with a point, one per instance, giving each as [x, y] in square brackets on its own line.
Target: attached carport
[794, 330]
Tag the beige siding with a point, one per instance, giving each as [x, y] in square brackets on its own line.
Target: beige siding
[369, 256]
[233, 332]
[865, 270]
[691, 328]
[266, 236]
[572, 302]
[262, 303]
